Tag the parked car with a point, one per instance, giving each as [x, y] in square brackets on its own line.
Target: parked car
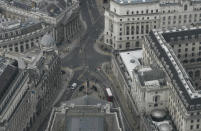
[81, 88]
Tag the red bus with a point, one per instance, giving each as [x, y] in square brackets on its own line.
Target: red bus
[109, 94]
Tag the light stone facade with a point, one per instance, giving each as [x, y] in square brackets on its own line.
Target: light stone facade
[180, 59]
[176, 53]
[23, 39]
[144, 87]
[127, 23]
[34, 89]
[149, 89]
[65, 26]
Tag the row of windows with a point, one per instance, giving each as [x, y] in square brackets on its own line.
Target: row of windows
[179, 22]
[132, 38]
[198, 120]
[183, 44]
[195, 127]
[144, 29]
[187, 49]
[196, 74]
[6, 35]
[180, 17]
[187, 55]
[16, 49]
[141, 12]
[168, 18]
[130, 31]
[147, 11]
[143, 18]
[195, 113]
[192, 60]
[137, 44]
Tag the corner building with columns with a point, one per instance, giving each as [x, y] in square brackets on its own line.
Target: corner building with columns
[127, 22]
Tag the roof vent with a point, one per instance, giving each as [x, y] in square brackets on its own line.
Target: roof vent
[132, 61]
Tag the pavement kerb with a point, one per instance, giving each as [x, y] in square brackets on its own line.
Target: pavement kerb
[96, 47]
[122, 99]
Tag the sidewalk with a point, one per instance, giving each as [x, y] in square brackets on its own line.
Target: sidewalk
[101, 6]
[100, 51]
[65, 82]
[132, 121]
[43, 118]
[98, 44]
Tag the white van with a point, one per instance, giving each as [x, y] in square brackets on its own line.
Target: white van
[73, 86]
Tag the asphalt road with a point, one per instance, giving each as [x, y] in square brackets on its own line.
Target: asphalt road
[84, 57]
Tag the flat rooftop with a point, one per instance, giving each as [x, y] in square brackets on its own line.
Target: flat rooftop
[85, 114]
[148, 77]
[131, 60]
[85, 123]
[30, 57]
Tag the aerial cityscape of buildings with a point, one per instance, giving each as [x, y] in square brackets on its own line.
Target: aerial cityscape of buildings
[100, 65]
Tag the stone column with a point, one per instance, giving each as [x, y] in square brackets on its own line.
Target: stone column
[65, 32]
[19, 50]
[73, 28]
[75, 25]
[70, 30]
[54, 33]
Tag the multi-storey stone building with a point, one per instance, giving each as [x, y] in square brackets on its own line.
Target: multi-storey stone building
[123, 64]
[149, 90]
[30, 88]
[128, 21]
[144, 87]
[17, 97]
[64, 17]
[177, 52]
[16, 36]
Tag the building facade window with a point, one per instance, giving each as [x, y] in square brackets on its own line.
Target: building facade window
[128, 45]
